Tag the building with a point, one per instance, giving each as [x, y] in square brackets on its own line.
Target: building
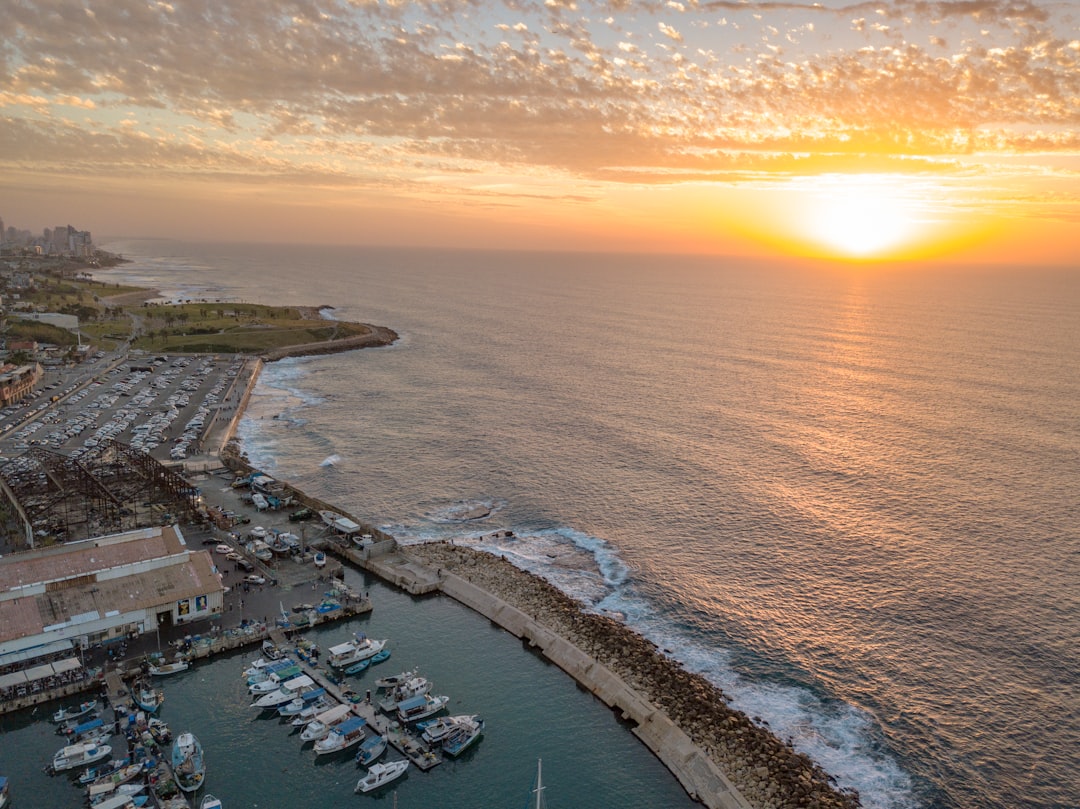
[18, 383]
[72, 595]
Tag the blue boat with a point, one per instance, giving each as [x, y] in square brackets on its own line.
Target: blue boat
[468, 730]
[356, 668]
[371, 748]
[82, 731]
[382, 655]
[4, 795]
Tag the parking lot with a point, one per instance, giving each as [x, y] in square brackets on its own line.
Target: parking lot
[161, 405]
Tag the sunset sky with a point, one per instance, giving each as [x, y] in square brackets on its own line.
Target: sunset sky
[875, 129]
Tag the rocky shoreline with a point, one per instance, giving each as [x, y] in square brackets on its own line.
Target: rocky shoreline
[768, 773]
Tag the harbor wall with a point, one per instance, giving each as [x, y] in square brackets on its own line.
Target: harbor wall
[698, 775]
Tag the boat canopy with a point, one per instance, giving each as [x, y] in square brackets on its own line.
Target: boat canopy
[342, 649]
[303, 681]
[86, 727]
[350, 726]
[345, 526]
[412, 702]
[314, 694]
[334, 714]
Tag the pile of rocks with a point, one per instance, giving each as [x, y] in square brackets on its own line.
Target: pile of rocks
[765, 770]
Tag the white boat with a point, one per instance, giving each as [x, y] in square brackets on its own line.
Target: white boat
[166, 669]
[467, 731]
[329, 518]
[64, 714]
[189, 767]
[321, 725]
[210, 802]
[275, 679]
[370, 749]
[361, 647]
[421, 707]
[435, 730]
[77, 755]
[395, 679]
[311, 712]
[5, 791]
[305, 700]
[109, 783]
[320, 559]
[413, 687]
[341, 737]
[117, 802]
[289, 690]
[381, 774]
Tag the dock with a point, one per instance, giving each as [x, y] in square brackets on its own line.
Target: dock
[410, 746]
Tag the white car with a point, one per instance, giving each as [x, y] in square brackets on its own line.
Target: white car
[223, 548]
[254, 579]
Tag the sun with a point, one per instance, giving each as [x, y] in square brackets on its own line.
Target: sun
[864, 216]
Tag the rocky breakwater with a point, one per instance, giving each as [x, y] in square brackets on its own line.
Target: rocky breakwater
[765, 771]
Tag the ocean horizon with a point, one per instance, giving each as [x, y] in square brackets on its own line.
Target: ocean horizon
[847, 497]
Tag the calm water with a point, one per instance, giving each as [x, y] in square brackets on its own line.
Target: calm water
[847, 497]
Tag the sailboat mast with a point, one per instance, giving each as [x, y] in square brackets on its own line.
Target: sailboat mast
[539, 783]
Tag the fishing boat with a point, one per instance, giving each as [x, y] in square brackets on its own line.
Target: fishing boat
[91, 774]
[111, 782]
[77, 755]
[119, 802]
[361, 647]
[395, 679]
[64, 714]
[159, 731]
[370, 749]
[381, 774]
[93, 729]
[165, 669]
[5, 791]
[421, 707]
[210, 802]
[319, 727]
[275, 679]
[258, 673]
[434, 731]
[188, 765]
[342, 737]
[147, 697]
[466, 731]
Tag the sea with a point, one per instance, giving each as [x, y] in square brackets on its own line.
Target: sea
[847, 495]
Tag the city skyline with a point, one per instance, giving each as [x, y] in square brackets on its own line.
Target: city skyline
[841, 130]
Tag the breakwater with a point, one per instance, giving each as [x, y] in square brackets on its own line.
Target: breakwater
[720, 755]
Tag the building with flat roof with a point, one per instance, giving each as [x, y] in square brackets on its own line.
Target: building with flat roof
[81, 593]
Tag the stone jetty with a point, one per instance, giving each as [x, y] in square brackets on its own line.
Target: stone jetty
[720, 755]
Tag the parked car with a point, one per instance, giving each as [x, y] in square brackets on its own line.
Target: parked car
[254, 579]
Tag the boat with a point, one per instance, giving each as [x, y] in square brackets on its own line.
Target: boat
[380, 656]
[413, 687]
[91, 774]
[263, 668]
[465, 732]
[260, 550]
[342, 737]
[76, 755]
[309, 713]
[370, 749]
[297, 704]
[356, 668]
[275, 679]
[5, 791]
[396, 679]
[64, 714]
[270, 650]
[166, 669]
[435, 730]
[147, 697]
[189, 768]
[329, 518]
[159, 731]
[361, 647]
[421, 707]
[320, 559]
[210, 802]
[319, 727]
[111, 782]
[381, 774]
[119, 802]
[289, 690]
[539, 791]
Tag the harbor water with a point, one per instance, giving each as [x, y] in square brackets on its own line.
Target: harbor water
[845, 495]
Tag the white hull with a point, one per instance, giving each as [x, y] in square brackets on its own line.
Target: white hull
[381, 774]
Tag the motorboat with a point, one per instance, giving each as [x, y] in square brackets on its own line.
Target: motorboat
[289, 690]
[119, 802]
[421, 707]
[166, 669]
[341, 737]
[465, 732]
[77, 755]
[91, 774]
[320, 559]
[111, 782]
[310, 712]
[263, 668]
[379, 657]
[381, 774]
[396, 679]
[305, 700]
[275, 679]
[413, 687]
[210, 802]
[64, 714]
[361, 647]
[435, 730]
[189, 767]
[370, 749]
[319, 727]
